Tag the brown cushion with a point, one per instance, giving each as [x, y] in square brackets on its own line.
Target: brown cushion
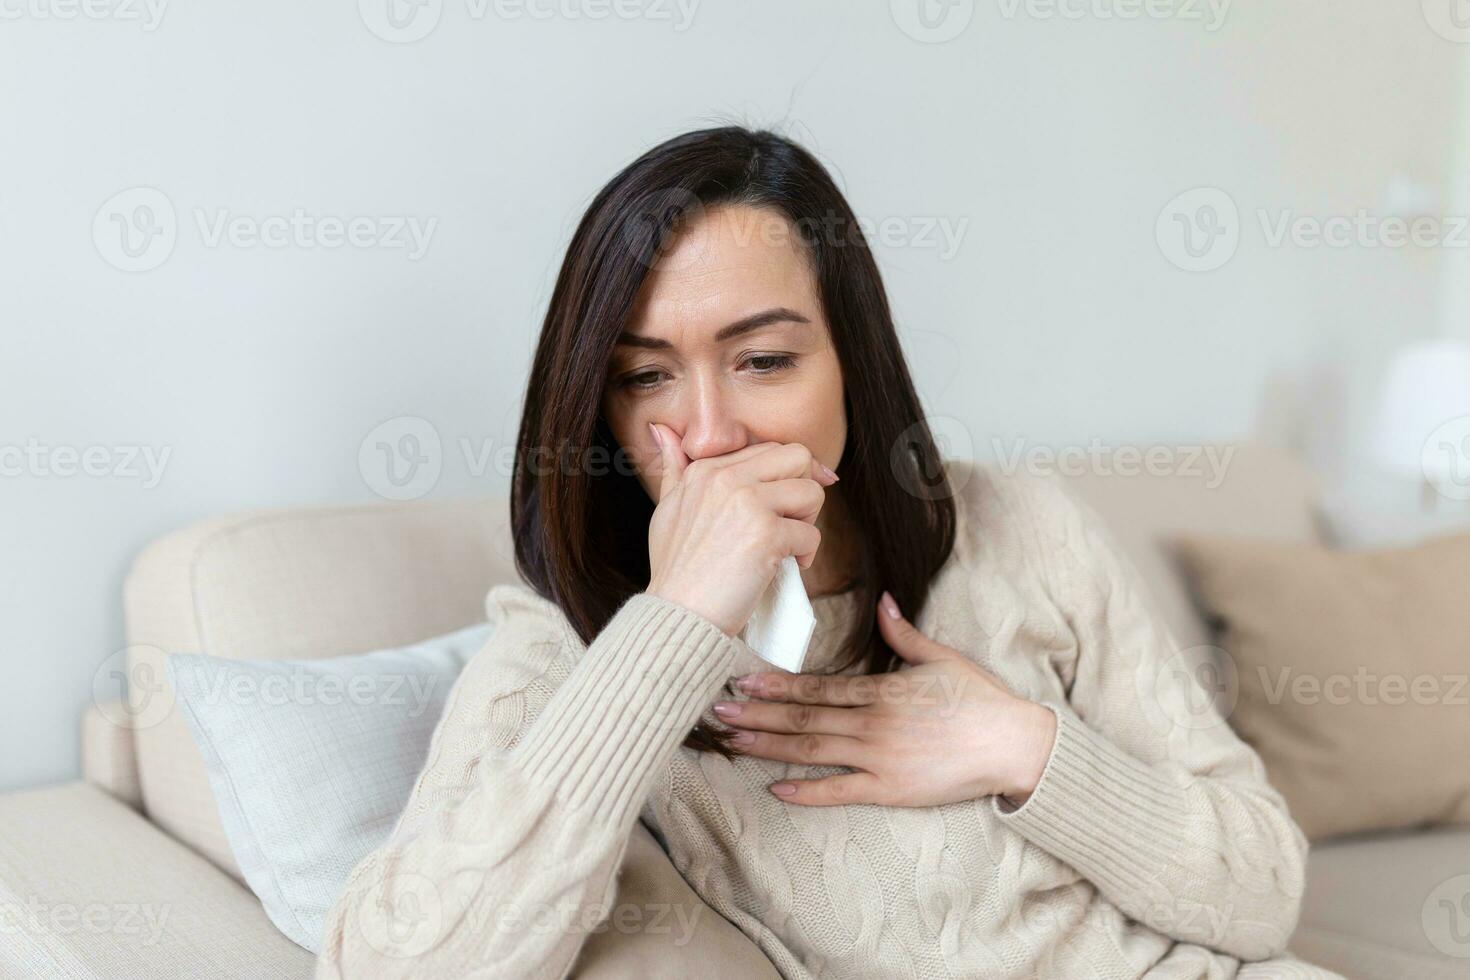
[1352, 673]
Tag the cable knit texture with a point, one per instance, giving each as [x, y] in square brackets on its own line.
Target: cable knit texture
[1152, 846]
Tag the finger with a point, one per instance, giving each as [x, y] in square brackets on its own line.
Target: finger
[904, 637]
[810, 749]
[727, 460]
[785, 461]
[830, 689]
[799, 499]
[814, 470]
[672, 461]
[848, 787]
[800, 540]
[791, 718]
[739, 455]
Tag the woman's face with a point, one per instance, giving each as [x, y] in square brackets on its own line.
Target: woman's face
[727, 346]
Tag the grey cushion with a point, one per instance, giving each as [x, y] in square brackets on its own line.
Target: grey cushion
[292, 584]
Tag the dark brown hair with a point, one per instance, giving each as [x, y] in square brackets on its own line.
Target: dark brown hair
[581, 522]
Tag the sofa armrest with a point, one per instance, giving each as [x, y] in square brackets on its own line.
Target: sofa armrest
[108, 757]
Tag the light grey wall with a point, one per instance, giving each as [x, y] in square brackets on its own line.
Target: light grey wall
[1050, 143]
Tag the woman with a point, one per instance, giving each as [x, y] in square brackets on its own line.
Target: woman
[1003, 782]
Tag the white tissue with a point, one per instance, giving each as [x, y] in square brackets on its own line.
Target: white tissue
[781, 627]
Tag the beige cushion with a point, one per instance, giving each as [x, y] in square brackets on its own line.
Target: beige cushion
[292, 583]
[1388, 906]
[1352, 675]
[90, 889]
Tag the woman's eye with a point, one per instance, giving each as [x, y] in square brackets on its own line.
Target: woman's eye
[643, 379]
[770, 363]
[760, 364]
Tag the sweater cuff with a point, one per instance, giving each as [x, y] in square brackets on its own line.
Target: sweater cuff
[1113, 818]
[639, 688]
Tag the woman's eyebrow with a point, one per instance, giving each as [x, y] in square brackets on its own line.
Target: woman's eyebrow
[777, 314]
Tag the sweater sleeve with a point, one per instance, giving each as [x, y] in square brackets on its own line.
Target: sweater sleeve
[506, 856]
[1148, 792]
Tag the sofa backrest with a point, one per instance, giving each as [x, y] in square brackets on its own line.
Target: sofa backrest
[1249, 490]
[328, 581]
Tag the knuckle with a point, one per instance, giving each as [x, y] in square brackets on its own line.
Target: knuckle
[801, 716]
[809, 747]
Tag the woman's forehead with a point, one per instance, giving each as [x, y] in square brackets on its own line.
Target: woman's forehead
[720, 269]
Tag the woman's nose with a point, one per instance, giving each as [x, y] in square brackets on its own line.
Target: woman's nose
[712, 439]
[710, 428]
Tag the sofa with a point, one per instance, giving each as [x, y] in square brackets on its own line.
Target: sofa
[127, 872]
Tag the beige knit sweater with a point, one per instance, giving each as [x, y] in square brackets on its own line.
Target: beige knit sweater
[1153, 844]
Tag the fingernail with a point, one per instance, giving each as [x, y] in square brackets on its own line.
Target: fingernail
[831, 475]
[657, 440]
[889, 606]
[726, 710]
[783, 789]
[743, 738]
[748, 683]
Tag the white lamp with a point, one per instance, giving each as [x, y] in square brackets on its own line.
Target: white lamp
[1423, 427]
